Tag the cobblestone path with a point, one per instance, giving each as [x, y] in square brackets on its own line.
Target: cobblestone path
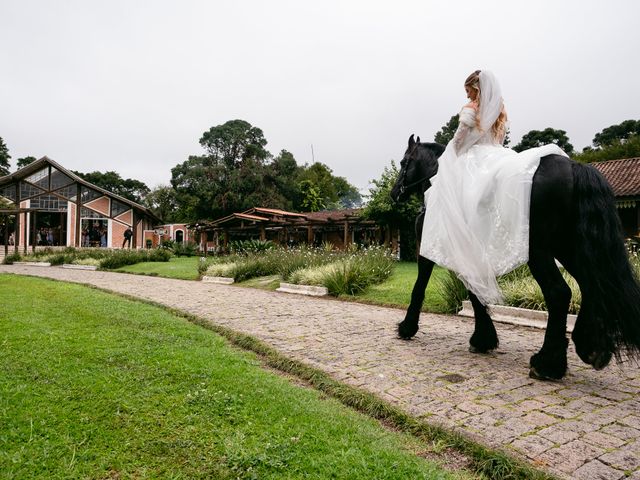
[585, 427]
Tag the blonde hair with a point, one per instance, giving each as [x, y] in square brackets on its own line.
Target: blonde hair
[500, 125]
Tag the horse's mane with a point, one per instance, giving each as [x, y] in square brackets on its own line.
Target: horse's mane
[435, 147]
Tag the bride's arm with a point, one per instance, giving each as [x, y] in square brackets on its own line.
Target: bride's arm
[465, 125]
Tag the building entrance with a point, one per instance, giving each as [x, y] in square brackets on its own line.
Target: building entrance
[50, 229]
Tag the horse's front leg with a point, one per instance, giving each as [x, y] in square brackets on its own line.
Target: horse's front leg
[550, 363]
[409, 326]
[485, 337]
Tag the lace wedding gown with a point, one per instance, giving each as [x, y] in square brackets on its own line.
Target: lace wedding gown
[477, 209]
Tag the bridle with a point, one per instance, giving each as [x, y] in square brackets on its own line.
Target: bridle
[403, 187]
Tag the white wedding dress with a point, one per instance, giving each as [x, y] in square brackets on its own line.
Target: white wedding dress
[477, 209]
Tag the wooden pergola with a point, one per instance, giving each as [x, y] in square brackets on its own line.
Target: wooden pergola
[339, 227]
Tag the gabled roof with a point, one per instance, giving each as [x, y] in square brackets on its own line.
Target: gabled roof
[33, 167]
[623, 175]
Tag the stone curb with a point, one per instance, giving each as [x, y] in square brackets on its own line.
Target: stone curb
[73, 266]
[517, 316]
[303, 289]
[220, 280]
[33, 264]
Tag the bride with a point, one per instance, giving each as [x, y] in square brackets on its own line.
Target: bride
[477, 209]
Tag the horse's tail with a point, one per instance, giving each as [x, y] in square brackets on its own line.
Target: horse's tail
[609, 319]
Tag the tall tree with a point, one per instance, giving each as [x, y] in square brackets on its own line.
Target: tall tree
[232, 176]
[162, 202]
[537, 138]
[446, 133]
[617, 133]
[131, 189]
[24, 161]
[336, 192]
[4, 158]
[233, 142]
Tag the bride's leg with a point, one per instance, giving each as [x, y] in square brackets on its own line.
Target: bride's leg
[485, 337]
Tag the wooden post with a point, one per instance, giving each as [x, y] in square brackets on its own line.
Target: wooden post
[78, 240]
[16, 242]
[263, 233]
[6, 235]
[32, 219]
[346, 234]
[310, 236]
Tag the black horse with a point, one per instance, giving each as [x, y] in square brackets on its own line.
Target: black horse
[572, 219]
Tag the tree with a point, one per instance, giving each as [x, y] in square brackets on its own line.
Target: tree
[336, 192]
[537, 138]
[446, 133]
[614, 151]
[4, 159]
[24, 161]
[617, 133]
[311, 200]
[233, 175]
[233, 142]
[128, 188]
[162, 202]
[401, 215]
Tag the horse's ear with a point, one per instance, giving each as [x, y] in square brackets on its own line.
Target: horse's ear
[418, 140]
[411, 141]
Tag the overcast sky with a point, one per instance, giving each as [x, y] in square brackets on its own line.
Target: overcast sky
[131, 85]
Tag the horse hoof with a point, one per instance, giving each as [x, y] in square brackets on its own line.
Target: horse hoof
[600, 360]
[533, 373]
[407, 330]
[473, 349]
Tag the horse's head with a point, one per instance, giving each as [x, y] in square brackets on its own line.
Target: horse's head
[419, 164]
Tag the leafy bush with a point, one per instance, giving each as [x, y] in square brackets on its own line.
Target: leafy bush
[244, 247]
[349, 275]
[185, 249]
[9, 259]
[120, 258]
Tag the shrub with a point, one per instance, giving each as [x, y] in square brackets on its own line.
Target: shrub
[9, 259]
[244, 247]
[350, 274]
[120, 258]
[185, 249]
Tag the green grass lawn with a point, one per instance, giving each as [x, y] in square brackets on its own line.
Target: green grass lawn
[396, 291]
[183, 268]
[96, 386]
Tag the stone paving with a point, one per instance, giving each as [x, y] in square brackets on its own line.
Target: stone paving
[586, 426]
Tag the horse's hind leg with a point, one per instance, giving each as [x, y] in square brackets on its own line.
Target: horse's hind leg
[485, 337]
[550, 363]
[409, 326]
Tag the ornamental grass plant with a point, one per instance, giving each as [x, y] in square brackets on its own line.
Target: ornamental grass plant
[342, 272]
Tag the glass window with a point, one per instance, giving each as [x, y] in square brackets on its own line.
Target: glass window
[50, 203]
[9, 192]
[89, 194]
[70, 192]
[59, 179]
[27, 191]
[88, 213]
[118, 207]
[40, 178]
